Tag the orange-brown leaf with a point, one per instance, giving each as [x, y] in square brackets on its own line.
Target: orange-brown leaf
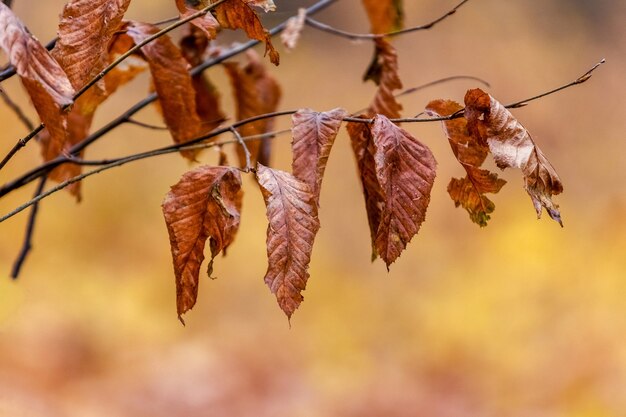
[293, 224]
[85, 31]
[468, 192]
[388, 80]
[206, 23]
[172, 83]
[204, 204]
[256, 92]
[384, 15]
[237, 14]
[405, 169]
[364, 150]
[313, 136]
[290, 36]
[512, 146]
[33, 62]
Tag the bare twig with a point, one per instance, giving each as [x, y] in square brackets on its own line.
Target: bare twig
[30, 229]
[16, 109]
[146, 125]
[243, 145]
[355, 36]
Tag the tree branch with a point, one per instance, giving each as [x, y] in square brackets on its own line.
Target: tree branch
[356, 36]
[16, 109]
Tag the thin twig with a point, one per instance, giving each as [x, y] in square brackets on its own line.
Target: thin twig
[243, 145]
[30, 229]
[355, 36]
[47, 166]
[146, 125]
[16, 109]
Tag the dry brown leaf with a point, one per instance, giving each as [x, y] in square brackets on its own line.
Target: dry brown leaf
[364, 150]
[290, 36]
[313, 136]
[266, 5]
[405, 169]
[206, 23]
[256, 92]
[293, 224]
[387, 79]
[45, 81]
[172, 83]
[468, 192]
[32, 61]
[204, 204]
[384, 15]
[237, 14]
[85, 31]
[512, 146]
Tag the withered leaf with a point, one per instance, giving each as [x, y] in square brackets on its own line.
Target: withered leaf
[204, 204]
[293, 224]
[33, 62]
[206, 23]
[512, 146]
[172, 83]
[364, 150]
[405, 169]
[266, 5]
[384, 15]
[468, 192]
[85, 30]
[237, 14]
[313, 136]
[290, 36]
[388, 80]
[256, 92]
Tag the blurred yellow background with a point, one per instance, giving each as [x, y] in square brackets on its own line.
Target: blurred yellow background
[521, 318]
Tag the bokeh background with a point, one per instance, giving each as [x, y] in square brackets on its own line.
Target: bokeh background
[521, 318]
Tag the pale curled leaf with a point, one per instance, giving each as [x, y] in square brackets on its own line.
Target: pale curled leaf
[468, 192]
[290, 36]
[512, 146]
[85, 31]
[256, 92]
[405, 169]
[204, 204]
[364, 150]
[293, 224]
[172, 83]
[313, 136]
[33, 62]
[266, 5]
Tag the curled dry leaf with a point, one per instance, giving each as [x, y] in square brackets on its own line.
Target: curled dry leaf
[45, 81]
[85, 31]
[293, 224]
[206, 23]
[384, 15]
[291, 34]
[172, 83]
[237, 14]
[468, 192]
[204, 204]
[256, 92]
[405, 170]
[364, 150]
[313, 136]
[385, 74]
[193, 46]
[266, 5]
[512, 146]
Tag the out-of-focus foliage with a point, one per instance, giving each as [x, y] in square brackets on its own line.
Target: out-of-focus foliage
[518, 319]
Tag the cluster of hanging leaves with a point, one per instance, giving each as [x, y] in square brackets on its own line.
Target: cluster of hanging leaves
[397, 171]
